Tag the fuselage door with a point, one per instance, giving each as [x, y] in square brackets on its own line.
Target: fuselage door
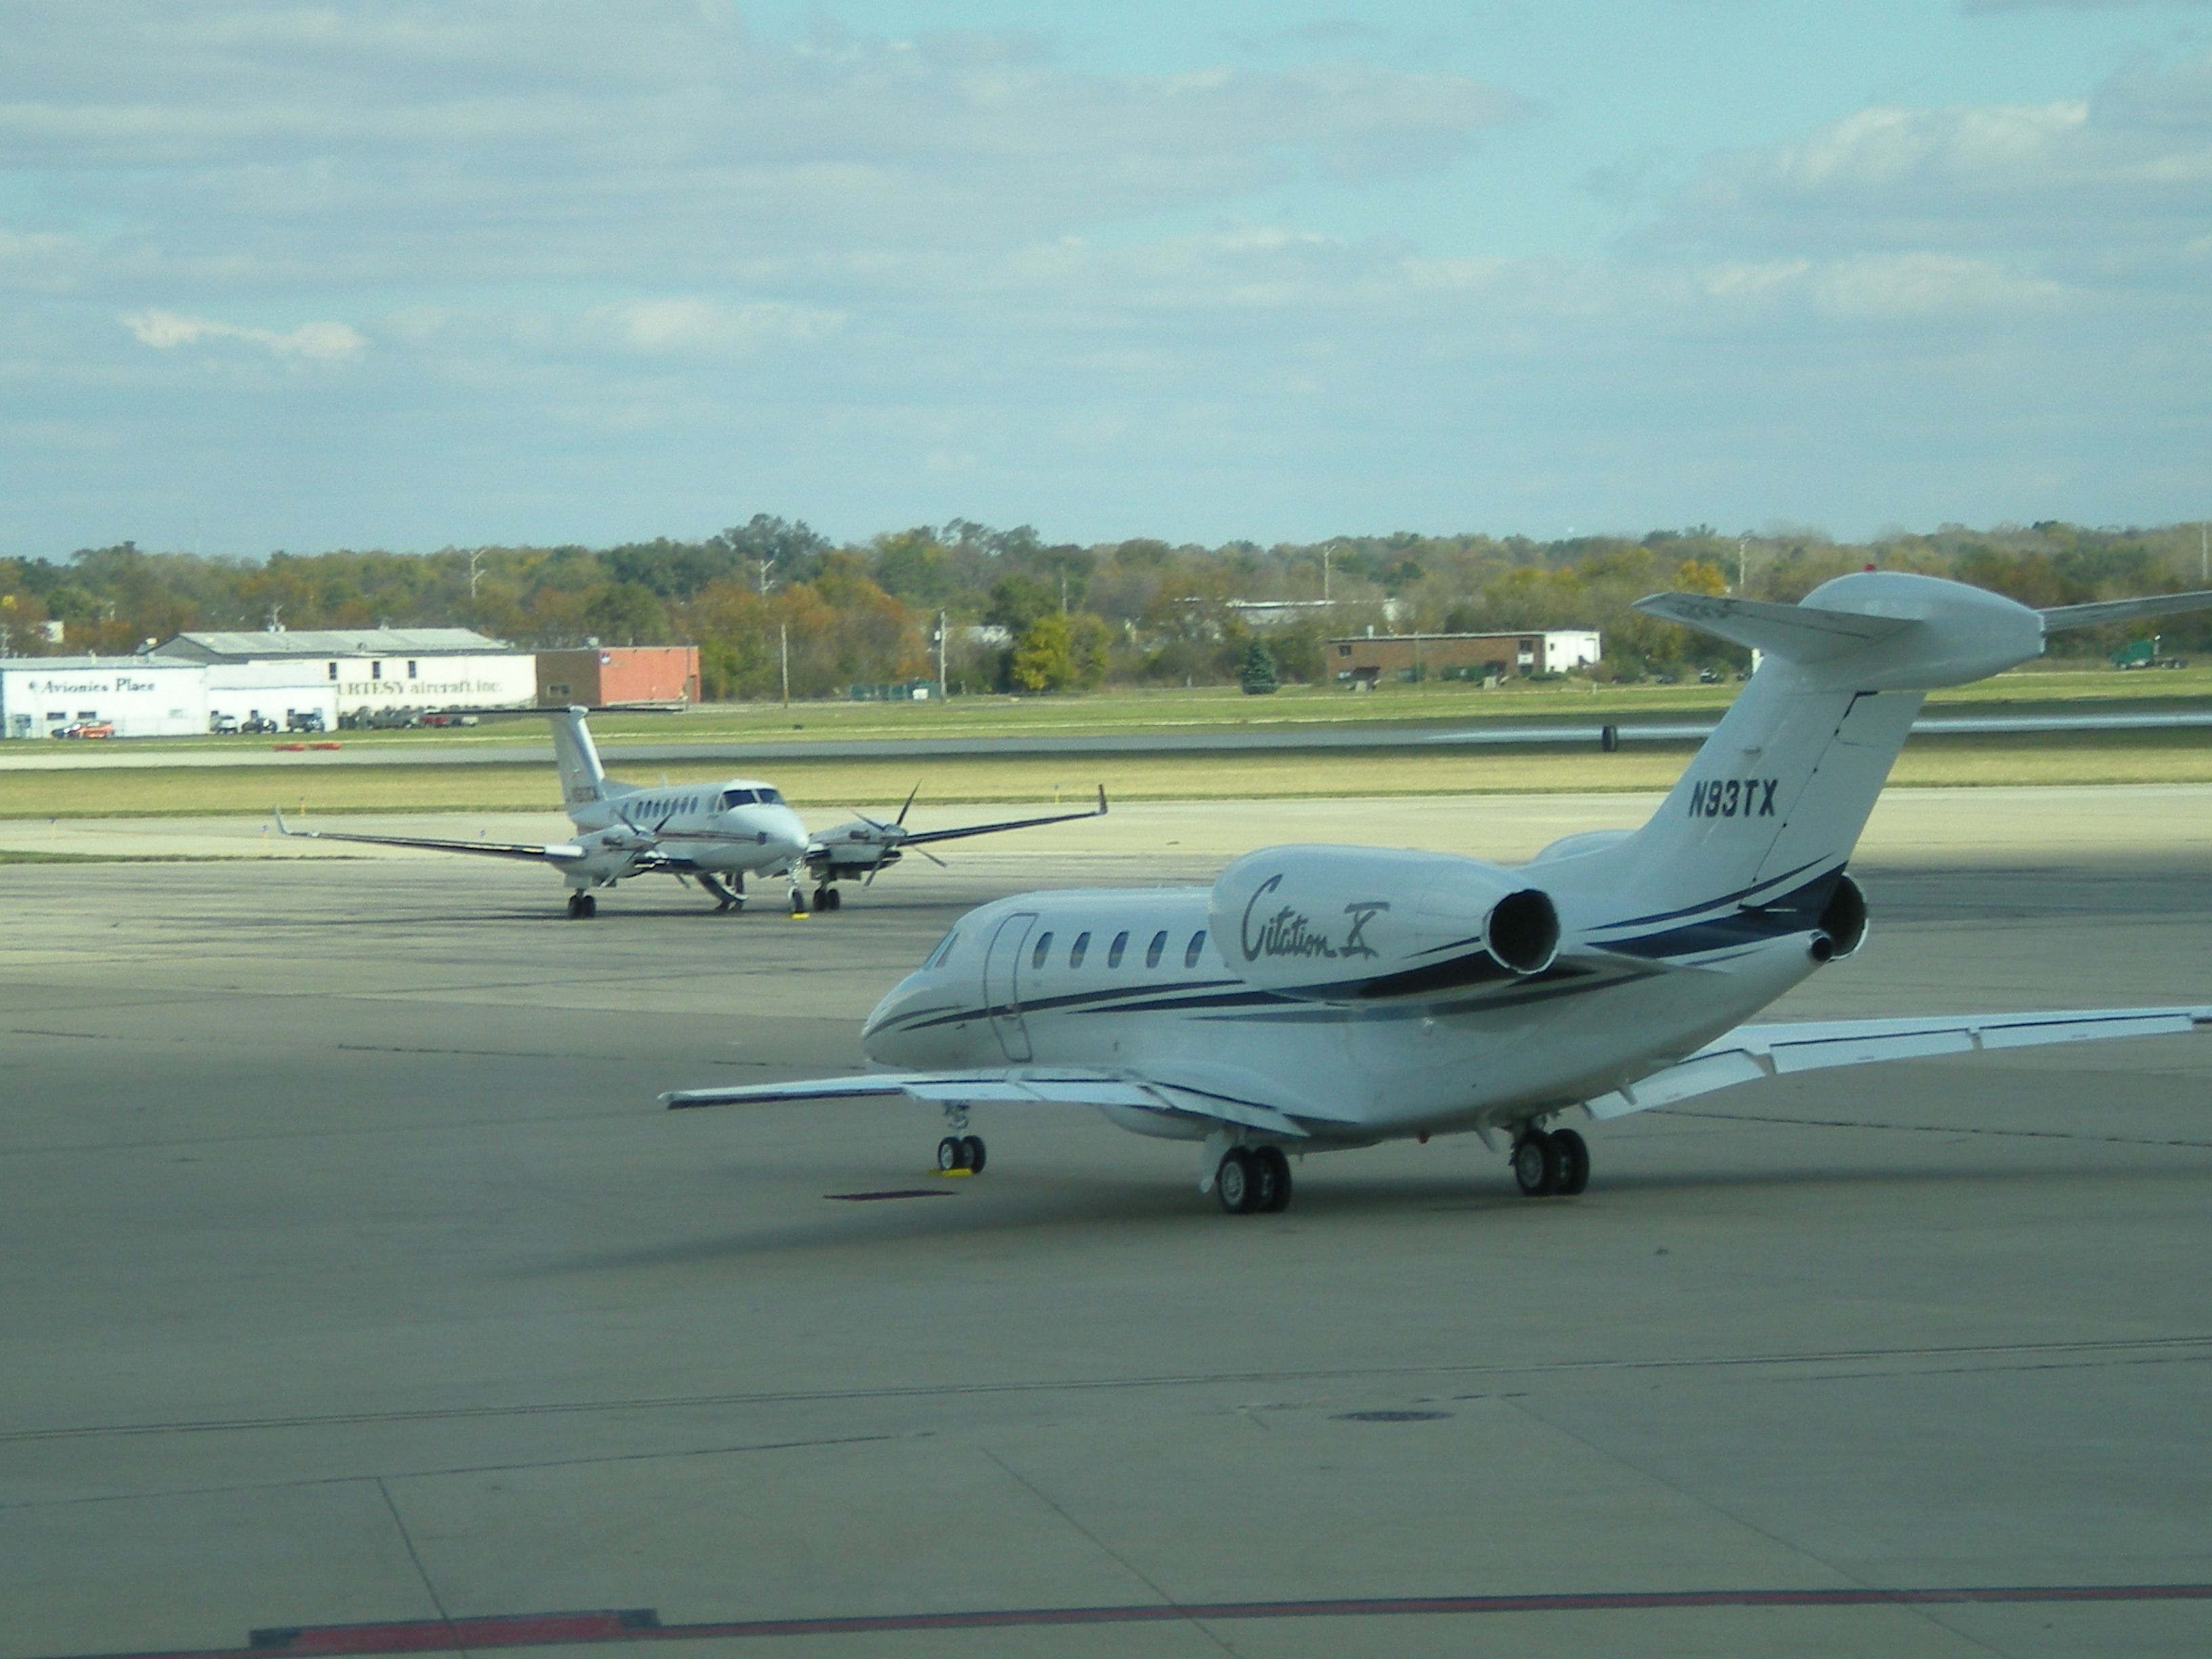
[1000, 994]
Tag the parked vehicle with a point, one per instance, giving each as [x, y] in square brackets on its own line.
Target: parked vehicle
[87, 729]
[303, 720]
[259, 726]
[223, 726]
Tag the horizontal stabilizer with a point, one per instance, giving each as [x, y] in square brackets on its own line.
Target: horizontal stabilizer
[1752, 1052]
[1796, 633]
[2109, 610]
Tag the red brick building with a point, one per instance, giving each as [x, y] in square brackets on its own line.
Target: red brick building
[601, 674]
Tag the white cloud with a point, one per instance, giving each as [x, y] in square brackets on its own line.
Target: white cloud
[319, 342]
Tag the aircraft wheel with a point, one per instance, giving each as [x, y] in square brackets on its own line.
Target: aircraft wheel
[829, 898]
[1536, 1165]
[1274, 1172]
[1574, 1162]
[971, 1153]
[1236, 1184]
[582, 906]
[952, 1154]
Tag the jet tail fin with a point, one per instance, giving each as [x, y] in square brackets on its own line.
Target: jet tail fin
[583, 779]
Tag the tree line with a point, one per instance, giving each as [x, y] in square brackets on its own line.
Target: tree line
[1021, 614]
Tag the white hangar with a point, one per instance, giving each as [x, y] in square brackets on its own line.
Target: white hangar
[363, 670]
[138, 697]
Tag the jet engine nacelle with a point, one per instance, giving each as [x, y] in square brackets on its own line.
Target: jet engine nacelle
[1336, 922]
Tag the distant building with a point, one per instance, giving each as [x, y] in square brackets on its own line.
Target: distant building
[1371, 659]
[138, 697]
[366, 669]
[597, 675]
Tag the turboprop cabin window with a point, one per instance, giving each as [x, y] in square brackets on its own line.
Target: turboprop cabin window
[1197, 943]
[1075, 952]
[1037, 956]
[1152, 950]
[1113, 950]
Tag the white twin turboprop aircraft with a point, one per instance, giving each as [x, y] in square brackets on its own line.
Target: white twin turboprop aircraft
[714, 834]
[1316, 998]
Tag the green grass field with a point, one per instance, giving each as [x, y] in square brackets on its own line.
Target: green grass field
[821, 786]
[1223, 707]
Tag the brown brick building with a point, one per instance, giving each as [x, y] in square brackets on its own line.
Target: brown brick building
[601, 674]
[1375, 658]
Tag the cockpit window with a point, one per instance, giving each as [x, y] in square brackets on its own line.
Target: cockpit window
[1152, 950]
[936, 958]
[737, 798]
[1075, 952]
[1113, 950]
[1197, 943]
[769, 798]
[1037, 956]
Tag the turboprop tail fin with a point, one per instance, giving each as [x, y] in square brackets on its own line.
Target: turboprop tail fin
[583, 779]
[1773, 803]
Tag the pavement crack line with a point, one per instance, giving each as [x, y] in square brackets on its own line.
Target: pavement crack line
[415, 1555]
[439, 1473]
[1521, 1405]
[2118, 1348]
[1104, 1548]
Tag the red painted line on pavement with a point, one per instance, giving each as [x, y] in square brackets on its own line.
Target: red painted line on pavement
[641, 1625]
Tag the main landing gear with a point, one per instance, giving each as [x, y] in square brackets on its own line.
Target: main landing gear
[1550, 1163]
[960, 1152]
[582, 906]
[827, 897]
[1251, 1180]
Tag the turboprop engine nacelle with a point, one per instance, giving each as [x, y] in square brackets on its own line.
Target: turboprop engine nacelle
[1336, 922]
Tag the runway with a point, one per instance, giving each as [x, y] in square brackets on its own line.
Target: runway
[360, 1296]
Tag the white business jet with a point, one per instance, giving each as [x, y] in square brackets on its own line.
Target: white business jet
[714, 834]
[1317, 998]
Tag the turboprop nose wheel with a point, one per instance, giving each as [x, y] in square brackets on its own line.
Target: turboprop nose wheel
[1554, 1163]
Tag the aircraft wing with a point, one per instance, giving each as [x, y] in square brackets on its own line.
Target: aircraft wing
[1203, 1093]
[1752, 1052]
[554, 852]
[919, 837]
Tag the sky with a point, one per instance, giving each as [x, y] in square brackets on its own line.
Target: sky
[423, 275]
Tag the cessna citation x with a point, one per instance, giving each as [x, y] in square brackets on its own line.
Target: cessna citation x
[1318, 998]
[714, 834]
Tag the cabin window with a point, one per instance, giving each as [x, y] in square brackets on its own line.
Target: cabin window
[1152, 950]
[1197, 943]
[1113, 950]
[1036, 956]
[1078, 951]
